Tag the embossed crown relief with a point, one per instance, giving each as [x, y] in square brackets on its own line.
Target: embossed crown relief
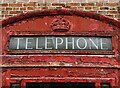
[60, 24]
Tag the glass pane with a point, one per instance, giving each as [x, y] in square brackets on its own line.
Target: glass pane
[105, 85]
[15, 85]
[60, 43]
[60, 85]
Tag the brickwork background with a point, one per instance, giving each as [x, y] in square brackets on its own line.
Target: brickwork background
[109, 8]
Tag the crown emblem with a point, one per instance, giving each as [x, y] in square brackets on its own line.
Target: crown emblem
[60, 24]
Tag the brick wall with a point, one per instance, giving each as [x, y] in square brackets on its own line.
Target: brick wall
[109, 8]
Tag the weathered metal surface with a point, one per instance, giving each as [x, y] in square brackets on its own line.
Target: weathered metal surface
[86, 27]
[60, 60]
[69, 74]
[99, 66]
[63, 72]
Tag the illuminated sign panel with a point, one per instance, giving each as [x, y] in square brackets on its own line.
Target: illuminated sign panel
[60, 43]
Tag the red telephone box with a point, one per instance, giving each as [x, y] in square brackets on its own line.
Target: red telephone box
[60, 48]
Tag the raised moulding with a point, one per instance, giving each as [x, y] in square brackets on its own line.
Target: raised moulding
[60, 24]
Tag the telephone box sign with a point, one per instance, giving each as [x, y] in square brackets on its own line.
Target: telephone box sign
[60, 43]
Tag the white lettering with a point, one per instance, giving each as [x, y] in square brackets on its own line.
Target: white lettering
[71, 42]
[47, 42]
[18, 42]
[58, 43]
[81, 40]
[37, 43]
[93, 43]
[102, 44]
[27, 43]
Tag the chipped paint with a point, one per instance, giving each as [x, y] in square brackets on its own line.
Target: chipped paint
[98, 66]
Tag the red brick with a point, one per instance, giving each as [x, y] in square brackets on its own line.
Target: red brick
[104, 8]
[110, 15]
[88, 8]
[25, 11]
[4, 5]
[110, 4]
[87, 4]
[102, 12]
[74, 7]
[15, 8]
[4, 12]
[73, 4]
[2, 8]
[23, 8]
[37, 8]
[8, 8]
[81, 8]
[118, 9]
[112, 12]
[117, 16]
[30, 4]
[96, 8]
[8, 15]
[99, 4]
[2, 15]
[16, 5]
[58, 4]
[30, 8]
[93, 11]
[44, 8]
[43, 4]
[113, 8]
[15, 12]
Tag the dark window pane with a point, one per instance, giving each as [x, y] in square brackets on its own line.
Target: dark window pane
[105, 85]
[60, 85]
[15, 85]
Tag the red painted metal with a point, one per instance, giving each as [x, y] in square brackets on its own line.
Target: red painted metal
[21, 66]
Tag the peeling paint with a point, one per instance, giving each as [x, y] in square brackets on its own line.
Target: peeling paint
[98, 66]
